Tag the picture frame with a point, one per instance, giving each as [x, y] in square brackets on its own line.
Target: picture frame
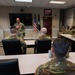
[48, 12]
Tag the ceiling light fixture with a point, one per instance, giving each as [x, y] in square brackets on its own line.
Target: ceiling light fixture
[57, 2]
[23, 0]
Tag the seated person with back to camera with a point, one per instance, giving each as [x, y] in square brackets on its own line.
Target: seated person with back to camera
[43, 34]
[58, 64]
[13, 36]
[73, 31]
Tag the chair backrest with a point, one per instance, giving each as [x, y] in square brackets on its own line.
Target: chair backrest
[9, 67]
[11, 47]
[42, 46]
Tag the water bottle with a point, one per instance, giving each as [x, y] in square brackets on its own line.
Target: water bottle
[49, 54]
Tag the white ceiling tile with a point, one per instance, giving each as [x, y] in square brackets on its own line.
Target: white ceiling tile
[38, 3]
[3, 2]
[11, 2]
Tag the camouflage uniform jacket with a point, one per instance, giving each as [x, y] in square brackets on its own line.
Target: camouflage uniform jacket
[41, 38]
[73, 33]
[44, 37]
[12, 37]
[54, 67]
[21, 30]
[67, 31]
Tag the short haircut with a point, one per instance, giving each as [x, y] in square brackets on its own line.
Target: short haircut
[44, 30]
[18, 18]
[13, 29]
[60, 46]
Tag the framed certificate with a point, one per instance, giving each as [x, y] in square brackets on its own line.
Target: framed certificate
[48, 12]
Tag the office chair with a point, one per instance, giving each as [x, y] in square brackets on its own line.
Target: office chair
[42, 46]
[9, 67]
[11, 47]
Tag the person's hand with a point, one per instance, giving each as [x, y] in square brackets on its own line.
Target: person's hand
[17, 27]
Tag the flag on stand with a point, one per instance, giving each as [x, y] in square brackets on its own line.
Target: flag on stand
[35, 27]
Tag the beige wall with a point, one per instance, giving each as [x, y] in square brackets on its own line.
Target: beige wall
[69, 17]
[4, 14]
[74, 17]
[5, 23]
[55, 22]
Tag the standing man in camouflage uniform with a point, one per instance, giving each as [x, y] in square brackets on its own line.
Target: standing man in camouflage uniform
[20, 28]
[13, 36]
[58, 64]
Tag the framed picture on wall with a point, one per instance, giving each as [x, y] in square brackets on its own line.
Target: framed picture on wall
[48, 12]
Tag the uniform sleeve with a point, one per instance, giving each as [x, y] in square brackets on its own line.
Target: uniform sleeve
[39, 70]
[6, 38]
[43, 69]
[23, 26]
[22, 41]
[23, 29]
[71, 66]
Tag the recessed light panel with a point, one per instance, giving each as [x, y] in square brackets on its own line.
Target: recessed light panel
[58, 2]
[23, 0]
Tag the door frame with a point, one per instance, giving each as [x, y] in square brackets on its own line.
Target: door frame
[50, 24]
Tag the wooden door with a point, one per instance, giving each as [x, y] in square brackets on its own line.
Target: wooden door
[47, 22]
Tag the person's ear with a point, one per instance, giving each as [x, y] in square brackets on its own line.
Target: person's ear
[53, 52]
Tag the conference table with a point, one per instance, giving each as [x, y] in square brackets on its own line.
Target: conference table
[30, 43]
[29, 62]
[70, 39]
[69, 36]
[30, 38]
